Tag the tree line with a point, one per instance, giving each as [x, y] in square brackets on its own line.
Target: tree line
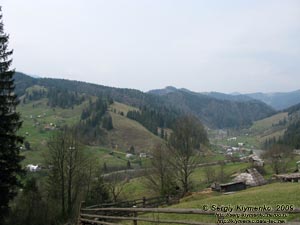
[153, 118]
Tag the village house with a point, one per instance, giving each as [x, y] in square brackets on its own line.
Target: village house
[250, 178]
[129, 155]
[143, 155]
[33, 168]
[240, 144]
[255, 160]
[231, 139]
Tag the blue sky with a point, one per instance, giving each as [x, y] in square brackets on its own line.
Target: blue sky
[226, 46]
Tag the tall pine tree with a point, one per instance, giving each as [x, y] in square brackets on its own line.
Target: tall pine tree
[10, 122]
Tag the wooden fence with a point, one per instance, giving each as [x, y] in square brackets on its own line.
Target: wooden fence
[114, 216]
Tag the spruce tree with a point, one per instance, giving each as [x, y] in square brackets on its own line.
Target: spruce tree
[10, 122]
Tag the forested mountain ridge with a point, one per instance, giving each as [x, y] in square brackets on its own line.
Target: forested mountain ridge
[213, 94]
[217, 112]
[160, 109]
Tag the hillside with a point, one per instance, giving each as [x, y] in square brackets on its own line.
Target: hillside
[167, 105]
[40, 121]
[270, 128]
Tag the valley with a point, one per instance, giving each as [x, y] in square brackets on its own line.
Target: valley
[149, 112]
[125, 148]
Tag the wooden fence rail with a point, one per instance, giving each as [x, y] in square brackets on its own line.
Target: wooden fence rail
[140, 203]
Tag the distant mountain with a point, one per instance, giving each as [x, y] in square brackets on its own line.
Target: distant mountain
[278, 100]
[231, 97]
[216, 109]
[163, 91]
[158, 108]
[217, 95]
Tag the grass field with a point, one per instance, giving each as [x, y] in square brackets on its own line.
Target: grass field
[120, 107]
[137, 187]
[269, 195]
[267, 123]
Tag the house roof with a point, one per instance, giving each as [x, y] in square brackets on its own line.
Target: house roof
[289, 176]
[231, 183]
[252, 178]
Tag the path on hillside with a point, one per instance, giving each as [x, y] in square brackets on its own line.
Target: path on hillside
[141, 170]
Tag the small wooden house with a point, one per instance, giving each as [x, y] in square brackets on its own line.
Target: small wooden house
[256, 161]
[292, 177]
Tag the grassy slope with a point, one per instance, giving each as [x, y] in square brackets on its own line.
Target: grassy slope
[265, 129]
[128, 132]
[286, 193]
[261, 126]
[120, 107]
[36, 115]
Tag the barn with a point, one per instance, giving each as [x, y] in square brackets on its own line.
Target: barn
[233, 186]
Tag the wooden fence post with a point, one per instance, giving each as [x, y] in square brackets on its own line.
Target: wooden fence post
[79, 212]
[144, 202]
[167, 200]
[134, 215]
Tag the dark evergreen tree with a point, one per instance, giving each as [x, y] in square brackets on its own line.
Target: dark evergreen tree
[132, 150]
[27, 145]
[9, 124]
[105, 167]
[107, 122]
[128, 164]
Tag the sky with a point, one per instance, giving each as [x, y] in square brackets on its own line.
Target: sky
[203, 45]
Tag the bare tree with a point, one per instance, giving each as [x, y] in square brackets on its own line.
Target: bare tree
[69, 165]
[210, 174]
[161, 177]
[184, 143]
[279, 156]
[97, 191]
[115, 185]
